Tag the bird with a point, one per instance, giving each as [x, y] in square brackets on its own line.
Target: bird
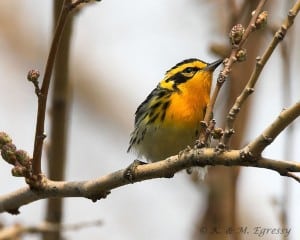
[168, 120]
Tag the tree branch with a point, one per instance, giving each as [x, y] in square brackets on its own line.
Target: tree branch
[42, 97]
[269, 134]
[96, 189]
[60, 103]
[260, 63]
[237, 44]
[68, 6]
[249, 156]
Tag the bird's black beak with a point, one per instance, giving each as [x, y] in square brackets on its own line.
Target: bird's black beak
[213, 66]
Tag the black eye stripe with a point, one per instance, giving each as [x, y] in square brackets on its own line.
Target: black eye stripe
[181, 77]
[178, 78]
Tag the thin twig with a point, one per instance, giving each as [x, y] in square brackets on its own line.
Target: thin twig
[292, 175]
[260, 63]
[227, 68]
[57, 144]
[42, 99]
[68, 6]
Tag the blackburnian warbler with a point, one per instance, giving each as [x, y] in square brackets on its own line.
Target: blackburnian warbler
[169, 119]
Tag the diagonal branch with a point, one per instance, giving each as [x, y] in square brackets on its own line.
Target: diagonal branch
[227, 68]
[99, 188]
[249, 156]
[249, 88]
[286, 117]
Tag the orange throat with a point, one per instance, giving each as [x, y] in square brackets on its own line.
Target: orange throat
[189, 103]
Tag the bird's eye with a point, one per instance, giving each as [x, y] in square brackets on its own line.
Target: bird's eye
[188, 70]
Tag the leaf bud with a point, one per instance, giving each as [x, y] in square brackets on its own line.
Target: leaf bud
[8, 153]
[236, 34]
[19, 171]
[33, 75]
[23, 158]
[4, 139]
[261, 20]
[241, 55]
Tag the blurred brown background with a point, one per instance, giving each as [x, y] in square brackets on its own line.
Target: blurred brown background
[119, 50]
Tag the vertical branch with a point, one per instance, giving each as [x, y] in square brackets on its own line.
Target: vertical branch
[289, 132]
[286, 53]
[56, 151]
[42, 98]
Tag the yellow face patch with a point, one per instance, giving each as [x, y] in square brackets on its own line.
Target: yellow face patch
[181, 73]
